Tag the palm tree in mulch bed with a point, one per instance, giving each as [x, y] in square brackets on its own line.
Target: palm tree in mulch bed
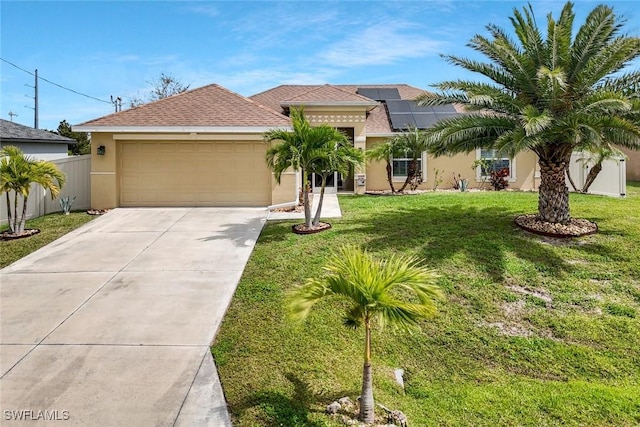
[17, 173]
[312, 149]
[551, 95]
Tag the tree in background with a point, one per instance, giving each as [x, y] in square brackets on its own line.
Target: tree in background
[83, 143]
[395, 291]
[161, 87]
[547, 94]
[17, 173]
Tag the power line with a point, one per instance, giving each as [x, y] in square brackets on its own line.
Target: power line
[55, 84]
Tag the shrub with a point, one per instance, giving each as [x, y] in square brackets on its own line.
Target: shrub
[498, 179]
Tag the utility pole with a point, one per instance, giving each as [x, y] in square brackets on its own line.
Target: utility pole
[117, 103]
[35, 101]
[35, 116]
[12, 115]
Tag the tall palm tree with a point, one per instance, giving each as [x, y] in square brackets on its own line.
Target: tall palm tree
[413, 142]
[384, 152]
[307, 148]
[375, 291]
[17, 173]
[547, 94]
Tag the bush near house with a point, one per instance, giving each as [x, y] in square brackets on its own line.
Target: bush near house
[533, 331]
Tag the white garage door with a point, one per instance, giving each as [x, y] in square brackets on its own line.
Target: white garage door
[203, 173]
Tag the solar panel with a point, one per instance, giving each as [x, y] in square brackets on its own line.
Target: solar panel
[398, 106]
[424, 121]
[371, 93]
[378, 94]
[388, 93]
[444, 108]
[402, 121]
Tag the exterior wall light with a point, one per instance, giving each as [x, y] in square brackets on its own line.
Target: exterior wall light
[101, 150]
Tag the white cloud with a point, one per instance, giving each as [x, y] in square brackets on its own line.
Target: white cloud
[207, 10]
[379, 45]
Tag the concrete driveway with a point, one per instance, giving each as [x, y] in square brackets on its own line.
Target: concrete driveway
[111, 324]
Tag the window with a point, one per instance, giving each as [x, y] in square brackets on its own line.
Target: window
[494, 162]
[400, 166]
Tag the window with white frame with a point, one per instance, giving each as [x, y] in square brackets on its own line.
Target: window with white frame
[400, 165]
[494, 162]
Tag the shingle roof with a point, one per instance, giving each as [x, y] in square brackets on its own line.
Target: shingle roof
[377, 120]
[14, 132]
[328, 94]
[210, 106]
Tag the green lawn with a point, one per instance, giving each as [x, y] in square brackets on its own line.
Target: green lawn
[532, 332]
[51, 227]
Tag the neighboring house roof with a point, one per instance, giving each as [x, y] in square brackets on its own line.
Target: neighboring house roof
[14, 132]
[208, 107]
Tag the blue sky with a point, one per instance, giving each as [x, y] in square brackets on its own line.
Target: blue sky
[102, 48]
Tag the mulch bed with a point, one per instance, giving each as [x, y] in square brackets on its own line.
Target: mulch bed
[26, 233]
[303, 229]
[576, 227]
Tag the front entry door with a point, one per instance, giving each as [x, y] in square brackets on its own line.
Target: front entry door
[332, 183]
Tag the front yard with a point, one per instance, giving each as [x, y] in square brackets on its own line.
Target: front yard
[534, 331]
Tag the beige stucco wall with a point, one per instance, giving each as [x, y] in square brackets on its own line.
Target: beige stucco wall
[104, 184]
[632, 164]
[105, 173]
[525, 167]
[287, 190]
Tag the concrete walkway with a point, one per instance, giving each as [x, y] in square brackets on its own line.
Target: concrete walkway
[111, 324]
[330, 209]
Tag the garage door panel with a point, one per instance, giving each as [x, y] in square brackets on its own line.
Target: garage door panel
[193, 174]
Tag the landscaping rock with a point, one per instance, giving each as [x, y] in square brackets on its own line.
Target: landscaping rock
[398, 418]
[333, 408]
[346, 403]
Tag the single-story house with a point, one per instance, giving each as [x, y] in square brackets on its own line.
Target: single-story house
[37, 143]
[205, 147]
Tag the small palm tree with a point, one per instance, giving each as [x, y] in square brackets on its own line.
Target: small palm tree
[547, 94]
[375, 291]
[311, 149]
[384, 152]
[413, 142]
[340, 156]
[17, 173]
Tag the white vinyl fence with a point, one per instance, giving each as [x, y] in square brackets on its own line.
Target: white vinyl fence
[611, 181]
[77, 169]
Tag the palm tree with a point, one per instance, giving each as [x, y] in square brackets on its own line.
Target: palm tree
[17, 173]
[384, 151]
[413, 142]
[374, 291]
[340, 156]
[311, 149]
[548, 95]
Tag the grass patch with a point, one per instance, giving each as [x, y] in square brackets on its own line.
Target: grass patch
[51, 227]
[533, 331]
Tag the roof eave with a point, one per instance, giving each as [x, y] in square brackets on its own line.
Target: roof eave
[39, 141]
[177, 129]
[329, 104]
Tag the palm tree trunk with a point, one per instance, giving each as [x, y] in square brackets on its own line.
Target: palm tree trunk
[367, 405]
[390, 177]
[573, 184]
[316, 219]
[23, 217]
[9, 216]
[410, 174]
[307, 206]
[14, 229]
[553, 199]
[591, 176]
